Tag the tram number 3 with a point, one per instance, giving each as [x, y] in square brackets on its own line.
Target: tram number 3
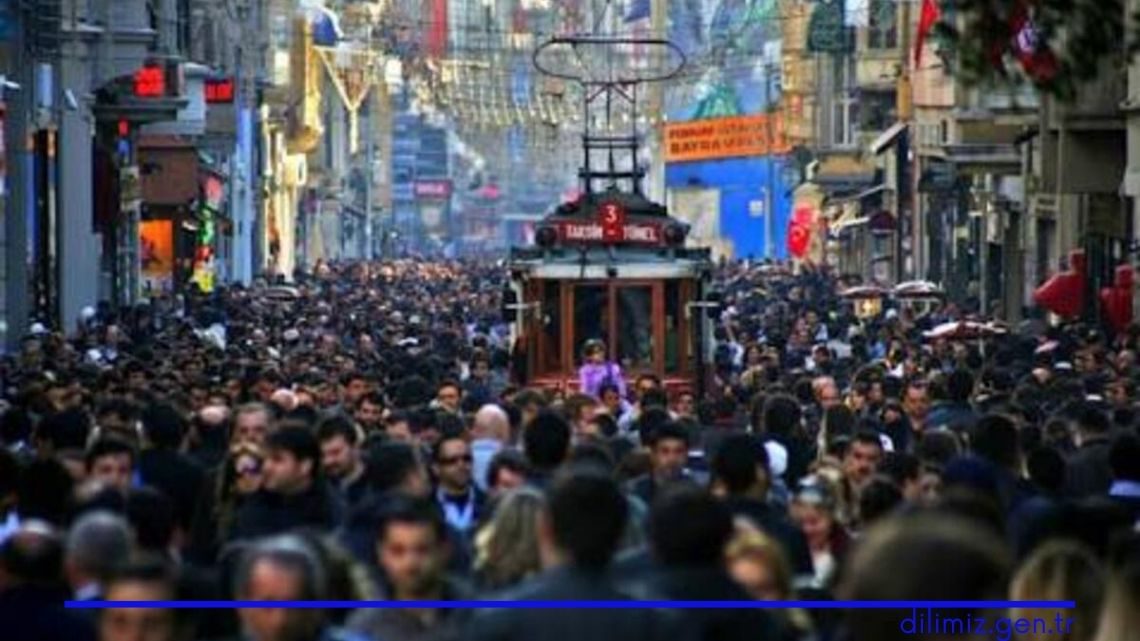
[613, 222]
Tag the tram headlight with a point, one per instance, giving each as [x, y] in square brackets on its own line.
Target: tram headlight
[546, 236]
[675, 234]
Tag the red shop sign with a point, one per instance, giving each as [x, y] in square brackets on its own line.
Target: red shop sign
[595, 232]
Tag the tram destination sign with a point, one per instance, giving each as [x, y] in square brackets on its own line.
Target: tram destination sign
[589, 231]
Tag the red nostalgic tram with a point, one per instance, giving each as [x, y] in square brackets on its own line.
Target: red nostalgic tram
[612, 266]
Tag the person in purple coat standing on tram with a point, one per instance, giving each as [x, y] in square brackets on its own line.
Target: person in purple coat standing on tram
[597, 370]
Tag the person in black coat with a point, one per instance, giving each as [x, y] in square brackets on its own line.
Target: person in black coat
[689, 530]
[740, 474]
[1088, 472]
[294, 494]
[33, 592]
[579, 532]
[163, 467]
[1124, 460]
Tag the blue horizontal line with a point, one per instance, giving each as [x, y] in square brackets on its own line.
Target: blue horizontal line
[567, 605]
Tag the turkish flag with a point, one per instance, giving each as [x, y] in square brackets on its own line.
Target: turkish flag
[931, 12]
[799, 232]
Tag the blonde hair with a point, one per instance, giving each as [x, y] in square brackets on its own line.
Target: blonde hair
[1061, 571]
[750, 543]
[1118, 619]
[506, 549]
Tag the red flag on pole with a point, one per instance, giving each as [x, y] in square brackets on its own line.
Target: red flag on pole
[931, 12]
[437, 30]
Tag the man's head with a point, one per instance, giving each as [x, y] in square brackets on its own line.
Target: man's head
[111, 461]
[480, 367]
[355, 387]
[411, 547]
[281, 569]
[689, 528]
[397, 467]
[492, 422]
[507, 471]
[370, 411]
[451, 462]
[916, 402]
[898, 558]
[685, 405]
[530, 403]
[826, 392]
[669, 451]
[292, 460]
[546, 441]
[584, 520]
[1092, 422]
[994, 438]
[448, 396]
[119, 417]
[960, 386]
[781, 415]
[740, 466]
[398, 427]
[905, 471]
[96, 544]
[580, 410]
[862, 458]
[340, 452]
[645, 383]
[611, 398]
[252, 423]
[32, 556]
[140, 580]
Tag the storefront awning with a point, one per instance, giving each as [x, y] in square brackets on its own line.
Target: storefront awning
[983, 154]
[840, 185]
[887, 138]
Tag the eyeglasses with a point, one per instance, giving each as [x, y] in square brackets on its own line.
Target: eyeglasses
[452, 460]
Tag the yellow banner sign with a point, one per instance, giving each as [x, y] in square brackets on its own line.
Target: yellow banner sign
[757, 135]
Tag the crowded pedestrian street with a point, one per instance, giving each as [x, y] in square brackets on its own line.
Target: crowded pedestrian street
[360, 436]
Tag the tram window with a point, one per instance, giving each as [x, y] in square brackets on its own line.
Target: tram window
[551, 326]
[591, 316]
[673, 310]
[635, 327]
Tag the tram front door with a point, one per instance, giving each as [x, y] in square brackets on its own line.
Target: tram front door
[642, 323]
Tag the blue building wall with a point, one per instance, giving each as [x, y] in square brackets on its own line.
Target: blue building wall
[741, 181]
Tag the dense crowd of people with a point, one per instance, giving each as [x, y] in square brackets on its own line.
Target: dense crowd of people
[359, 436]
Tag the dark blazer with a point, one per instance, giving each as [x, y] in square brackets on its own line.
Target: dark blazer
[267, 513]
[713, 584]
[37, 614]
[178, 476]
[570, 584]
[402, 625]
[1087, 472]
